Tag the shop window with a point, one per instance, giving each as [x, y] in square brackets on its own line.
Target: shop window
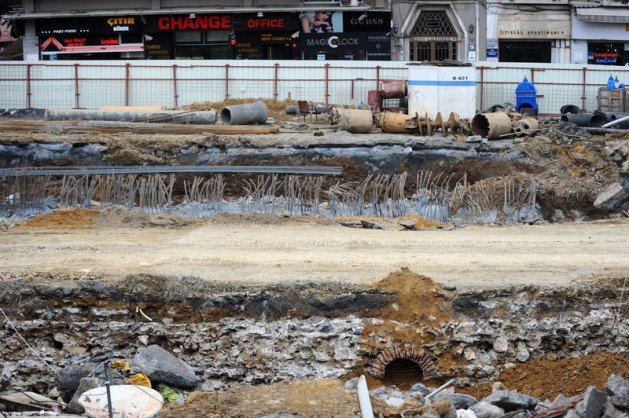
[188, 37]
[216, 36]
[606, 53]
[524, 51]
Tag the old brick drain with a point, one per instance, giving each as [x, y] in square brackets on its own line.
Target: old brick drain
[403, 363]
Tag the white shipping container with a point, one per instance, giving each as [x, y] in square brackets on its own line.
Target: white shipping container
[434, 89]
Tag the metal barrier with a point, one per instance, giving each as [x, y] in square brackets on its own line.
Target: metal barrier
[90, 85]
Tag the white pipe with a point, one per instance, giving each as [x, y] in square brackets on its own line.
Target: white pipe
[607, 125]
[363, 398]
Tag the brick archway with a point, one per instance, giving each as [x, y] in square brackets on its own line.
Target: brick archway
[403, 351]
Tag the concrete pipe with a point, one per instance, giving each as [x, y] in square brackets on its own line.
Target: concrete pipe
[572, 109]
[525, 127]
[356, 121]
[162, 116]
[591, 120]
[491, 125]
[245, 114]
[391, 122]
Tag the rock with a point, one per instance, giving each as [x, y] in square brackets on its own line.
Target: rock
[487, 410]
[593, 405]
[419, 387]
[512, 401]
[352, 384]
[442, 406]
[501, 345]
[497, 386]
[618, 390]
[86, 383]
[458, 400]
[161, 366]
[70, 378]
[395, 402]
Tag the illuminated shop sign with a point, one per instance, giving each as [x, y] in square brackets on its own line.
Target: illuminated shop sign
[84, 44]
[605, 57]
[89, 25]
[198, 22]
[375, 45]
[267, 22]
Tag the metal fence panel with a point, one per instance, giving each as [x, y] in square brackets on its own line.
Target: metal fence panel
[174, 83]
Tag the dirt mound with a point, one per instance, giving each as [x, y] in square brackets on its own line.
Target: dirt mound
[73, 218]
[418, 298]
[106, 218]
[546, 378]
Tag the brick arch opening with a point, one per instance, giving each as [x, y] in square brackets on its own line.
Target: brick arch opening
[398, 359]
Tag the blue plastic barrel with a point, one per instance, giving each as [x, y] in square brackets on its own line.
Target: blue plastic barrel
[525, 97]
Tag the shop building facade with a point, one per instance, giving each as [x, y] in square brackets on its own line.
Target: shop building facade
[246, 29]
[540, 31]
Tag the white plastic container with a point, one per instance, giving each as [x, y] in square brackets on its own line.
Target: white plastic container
[433, 89]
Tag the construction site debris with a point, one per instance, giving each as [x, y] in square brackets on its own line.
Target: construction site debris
[163, 116]
[121, 401]
[245, 114]
[27, 401]
[616, 196]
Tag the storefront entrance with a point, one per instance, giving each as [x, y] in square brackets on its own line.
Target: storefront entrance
[433, 38]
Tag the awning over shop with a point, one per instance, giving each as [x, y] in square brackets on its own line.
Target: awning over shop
[603, 14]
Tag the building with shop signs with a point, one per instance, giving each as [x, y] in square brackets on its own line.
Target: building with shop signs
[544, 31]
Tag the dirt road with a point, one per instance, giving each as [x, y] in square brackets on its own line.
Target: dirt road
[255, 250]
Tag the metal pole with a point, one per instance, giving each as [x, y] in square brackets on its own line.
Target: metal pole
[275, 81]
[176, 96]
[28, 86]
[76, 87]
[107, 383]
[126, 85]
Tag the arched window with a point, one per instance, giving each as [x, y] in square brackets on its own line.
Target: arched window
[433, 38]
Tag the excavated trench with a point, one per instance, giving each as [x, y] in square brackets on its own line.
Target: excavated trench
[403, 330]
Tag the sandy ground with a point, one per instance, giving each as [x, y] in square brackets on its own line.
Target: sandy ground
[267, 249]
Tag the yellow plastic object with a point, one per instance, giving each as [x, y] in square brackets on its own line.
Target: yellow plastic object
[121, 365]
[139, 380]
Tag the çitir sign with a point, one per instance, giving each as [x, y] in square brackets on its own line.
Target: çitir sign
[89, 25]
[185, 22]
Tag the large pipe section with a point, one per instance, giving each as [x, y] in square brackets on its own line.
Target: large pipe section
[491, 125]
[162, 116]
[356, 121]
[245, 114]
[394, 122]
[593, 120]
